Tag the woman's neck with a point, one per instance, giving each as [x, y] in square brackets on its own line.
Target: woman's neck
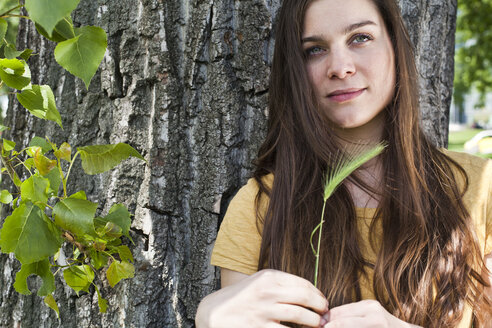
[369, 133]
[370, 175]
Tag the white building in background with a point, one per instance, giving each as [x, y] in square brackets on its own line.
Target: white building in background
[4, 103]
[473, 115]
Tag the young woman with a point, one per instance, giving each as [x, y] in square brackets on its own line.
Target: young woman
[406, 237]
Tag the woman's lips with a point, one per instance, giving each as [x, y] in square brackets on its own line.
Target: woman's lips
[345, 95]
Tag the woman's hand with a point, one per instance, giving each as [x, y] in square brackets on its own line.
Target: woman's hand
[263, 299]
[363, 314]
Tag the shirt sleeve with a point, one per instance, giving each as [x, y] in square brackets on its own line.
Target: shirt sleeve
[478, 197]
[488, 211]
[238, 242]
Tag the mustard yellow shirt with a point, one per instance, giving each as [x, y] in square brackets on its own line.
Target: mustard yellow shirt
[238, 242]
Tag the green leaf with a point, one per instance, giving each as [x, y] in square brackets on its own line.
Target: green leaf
[114, 242]
[101, 158]
[15, 73]
[99, 245]
[13, 64]
[63, 30]
[3, 29]
[98, 259]
[119, 215]
[79, 195]
[26, 54]
[35, 189]
[83, 54]
[103, 304]
[3, 128]
[28, 234]
[48, 13]
[6, 197]
[15, 204]
[8, 145]
[119, 270]
[75, 215]
[11, 52]
[43, 163]
[40, 101]
[109, 231]
[29, 163]
[31, 151]
[17, 181]
[55, 180]
[42, 269]
[125, 253]
[41, 142]
[50, 301]
[79, 277]
[64, 152]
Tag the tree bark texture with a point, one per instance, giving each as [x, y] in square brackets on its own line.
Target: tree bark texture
[185, 83]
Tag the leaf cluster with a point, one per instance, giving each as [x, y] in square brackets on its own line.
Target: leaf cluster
[42, 221]
[473, 67]
[78, 50]
[49, 231]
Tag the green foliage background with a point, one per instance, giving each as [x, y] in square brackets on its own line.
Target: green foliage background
[473, 67]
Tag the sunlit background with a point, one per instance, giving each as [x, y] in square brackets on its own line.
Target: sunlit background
[470, 127]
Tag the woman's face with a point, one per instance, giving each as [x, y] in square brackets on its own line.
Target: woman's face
[350, 62]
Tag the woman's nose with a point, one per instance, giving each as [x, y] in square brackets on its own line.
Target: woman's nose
[340, 64]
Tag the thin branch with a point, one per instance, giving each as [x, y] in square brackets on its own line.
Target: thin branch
[70, 168]
[14, 15]
[11, 10]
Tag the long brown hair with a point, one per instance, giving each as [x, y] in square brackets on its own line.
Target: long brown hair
[429, 258]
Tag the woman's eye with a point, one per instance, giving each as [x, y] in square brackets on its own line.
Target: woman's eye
[313, 51]
[361, 38]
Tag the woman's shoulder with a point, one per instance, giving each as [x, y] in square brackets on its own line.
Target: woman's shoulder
[246, 196]
[244, 200]
[476, 167]
[252, 186]
[478, 196]
[479, 173]
[238, 242]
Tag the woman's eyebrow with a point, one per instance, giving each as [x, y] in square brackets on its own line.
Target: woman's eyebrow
[347, 30]
[355, 26]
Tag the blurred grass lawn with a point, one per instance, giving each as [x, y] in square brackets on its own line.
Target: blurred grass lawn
[457, 140]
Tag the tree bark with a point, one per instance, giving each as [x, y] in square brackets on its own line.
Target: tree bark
[186, 84]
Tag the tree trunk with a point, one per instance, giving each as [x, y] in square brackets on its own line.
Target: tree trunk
[186, 84]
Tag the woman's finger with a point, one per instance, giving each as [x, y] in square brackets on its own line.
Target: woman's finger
[281, 287]
[356, 309]
[295, 314]
[301, 296]
[283, 279]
